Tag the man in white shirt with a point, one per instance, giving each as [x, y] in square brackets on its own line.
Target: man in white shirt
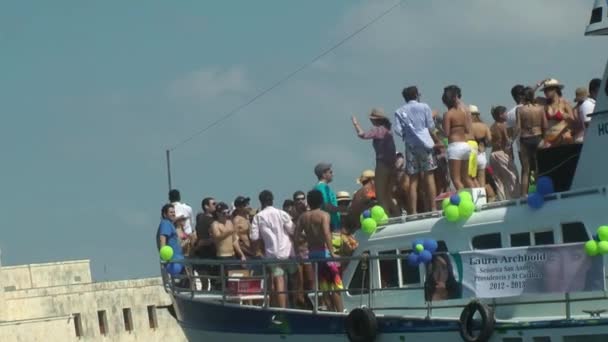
[517, 93]
[588, 106]
[182, 209]
[275, 227]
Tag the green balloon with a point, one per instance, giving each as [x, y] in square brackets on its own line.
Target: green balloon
[466, 209]
[602, 233]
[445, 203]
[451, 212]
[602, 247]
[383, 220]
[419, 248]
[592, 248]
[166, 253]
[465, 196]
[377, 213]
[532, 188]
[369, 226]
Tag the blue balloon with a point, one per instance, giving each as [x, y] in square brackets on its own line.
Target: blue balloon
[417, 242]
[425, 257]
[455, 199]
[596, 237]
[535, 200]
[367, 213]
[174, 268]
[430, 245]
[544, 185]
[412, 259]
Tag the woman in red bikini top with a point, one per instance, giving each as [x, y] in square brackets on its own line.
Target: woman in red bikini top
[559, 114]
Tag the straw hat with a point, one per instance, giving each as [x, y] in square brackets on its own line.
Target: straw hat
[342, 196]
[377, 114]
[552, 83]
[366, 175]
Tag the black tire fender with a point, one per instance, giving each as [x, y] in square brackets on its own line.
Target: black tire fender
[488, 322]
[361, 325]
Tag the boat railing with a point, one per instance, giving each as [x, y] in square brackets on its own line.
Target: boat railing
[212, 285]
[501, 204]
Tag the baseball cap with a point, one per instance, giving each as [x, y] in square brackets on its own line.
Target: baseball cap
[241, 201]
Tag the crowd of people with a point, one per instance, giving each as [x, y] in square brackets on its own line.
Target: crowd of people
[443, 154]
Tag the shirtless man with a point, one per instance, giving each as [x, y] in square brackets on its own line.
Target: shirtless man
[501, 158]
[315, 225]
[225, 236]
[242, 225]
[531, 125]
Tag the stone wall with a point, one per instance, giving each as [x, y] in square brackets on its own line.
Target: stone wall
[42, 300]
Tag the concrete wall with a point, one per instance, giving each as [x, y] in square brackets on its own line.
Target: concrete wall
[54, 294]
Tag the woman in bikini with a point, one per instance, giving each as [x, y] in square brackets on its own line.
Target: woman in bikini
[559, 115]
[456, 128]
[531, 124]
[481, 134]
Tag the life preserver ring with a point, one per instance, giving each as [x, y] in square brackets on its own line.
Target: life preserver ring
[361, 325]
[466, 322]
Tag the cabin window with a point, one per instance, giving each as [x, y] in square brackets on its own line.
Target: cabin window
[487, 241]
[359, 284]
[389, 273]
[520, 239]
[586, 338]
[103, 322]
[410, 274]
[574, 232]
[543, 238]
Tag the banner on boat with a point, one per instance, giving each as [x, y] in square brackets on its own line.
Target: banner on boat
[508, 272]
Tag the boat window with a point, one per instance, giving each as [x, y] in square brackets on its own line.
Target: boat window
[541, 339]
[487, 241]
[512, 339]
[410, 274]
[574, 232]
[389, 274]
[520, 239]
[359, 284]
[596, 16]
[543, 238]
[586, 338]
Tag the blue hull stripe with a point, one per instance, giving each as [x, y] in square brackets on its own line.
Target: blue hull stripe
[215, 317]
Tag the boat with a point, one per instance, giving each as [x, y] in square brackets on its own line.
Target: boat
[388, 299]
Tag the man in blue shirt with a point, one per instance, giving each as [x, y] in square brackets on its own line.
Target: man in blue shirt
[415, 124]
[166, 234]
[325, 175]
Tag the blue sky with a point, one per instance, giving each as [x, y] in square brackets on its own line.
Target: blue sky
[93, 93]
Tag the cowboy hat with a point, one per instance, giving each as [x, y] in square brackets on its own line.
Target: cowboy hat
[366, 175]
[552, 83]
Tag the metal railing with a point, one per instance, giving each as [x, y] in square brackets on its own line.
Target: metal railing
[216, 289]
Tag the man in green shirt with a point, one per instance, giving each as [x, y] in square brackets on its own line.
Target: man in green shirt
[325, 175]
